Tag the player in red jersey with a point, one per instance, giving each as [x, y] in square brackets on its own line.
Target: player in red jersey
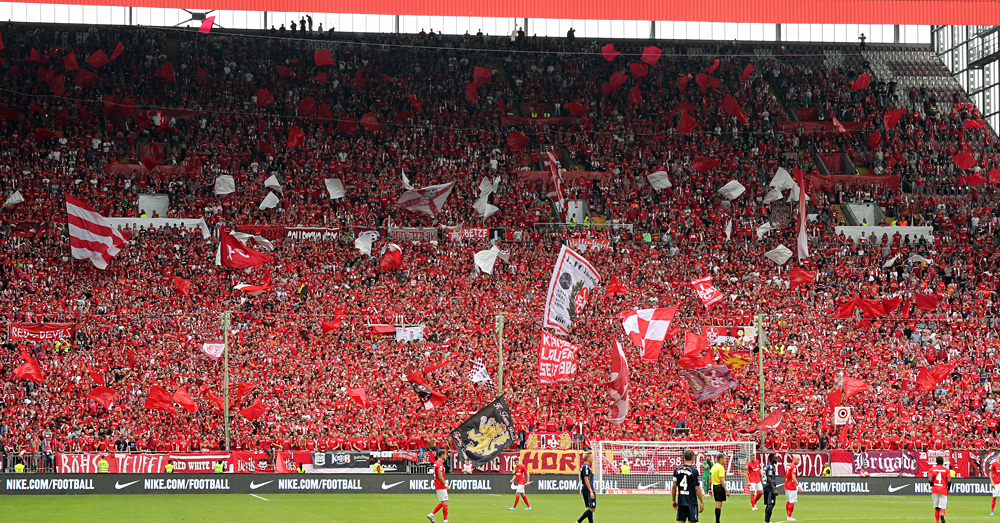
[994, 474]
[754, 483]
[520, 480]
[440, 486]
[792, 486]
[938, 476]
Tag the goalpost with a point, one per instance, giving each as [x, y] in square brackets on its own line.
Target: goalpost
[651, 464]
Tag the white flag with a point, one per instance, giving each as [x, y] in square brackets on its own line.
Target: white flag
[484, 207]
[243, 238]
[919, 259]
[487, 259]
[779, 254]
[213, 349]
[729, 229]
[14, 199]
[772, 196]
[270, 201]
[764, 229]
[489, 187]
[364, 241]
[479, 373]
[732, 190]
[569, 289]
[406, 181]
[782, 181]
[335, 187]
[427, 200]
[225, 185]
[888, 263]
[273, 183]
[659, 180]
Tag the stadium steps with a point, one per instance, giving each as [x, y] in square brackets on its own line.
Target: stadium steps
[838, 214]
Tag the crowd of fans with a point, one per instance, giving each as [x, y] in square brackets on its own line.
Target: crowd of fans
[134, 329]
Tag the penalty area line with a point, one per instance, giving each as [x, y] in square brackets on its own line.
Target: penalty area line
[258, 497]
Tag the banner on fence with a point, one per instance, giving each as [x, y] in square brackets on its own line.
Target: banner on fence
[40, 331]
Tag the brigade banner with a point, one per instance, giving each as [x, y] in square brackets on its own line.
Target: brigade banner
[483, 436]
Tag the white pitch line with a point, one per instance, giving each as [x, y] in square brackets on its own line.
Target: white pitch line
[258, 497]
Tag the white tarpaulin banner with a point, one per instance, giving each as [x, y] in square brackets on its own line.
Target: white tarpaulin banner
[412, 333]
[225, 184]
[335, 187]
[487, 259]
[569, 289]
[213, 349]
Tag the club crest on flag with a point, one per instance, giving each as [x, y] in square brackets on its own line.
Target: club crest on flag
[487, 433]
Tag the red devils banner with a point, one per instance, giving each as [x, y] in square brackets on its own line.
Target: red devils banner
[556, 360]
[41, 331]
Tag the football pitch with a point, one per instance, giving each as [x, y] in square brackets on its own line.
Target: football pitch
[463, 508]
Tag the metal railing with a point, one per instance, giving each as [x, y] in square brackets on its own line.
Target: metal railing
[38, 462]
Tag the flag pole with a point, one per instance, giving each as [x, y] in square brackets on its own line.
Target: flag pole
[500, 321]
[225, 367]
[759, 323]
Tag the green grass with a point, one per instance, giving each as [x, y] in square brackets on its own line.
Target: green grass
[463, 508]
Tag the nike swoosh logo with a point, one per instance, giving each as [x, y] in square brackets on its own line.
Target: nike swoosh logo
[644, 487]
[390, 485]
[896, 489]
[119, 486]
[255, 486]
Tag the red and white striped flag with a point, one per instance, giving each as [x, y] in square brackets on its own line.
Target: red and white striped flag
[91, 237]
[557, 180]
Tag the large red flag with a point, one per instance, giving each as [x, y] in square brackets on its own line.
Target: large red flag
[615, 286]
[871, 308]
[183, 286]
[651, 55]
[323, 57]
[359, 396]
[862, 82]
[732, 107]
[845, 311]
[647, 328]
[706, 291]
[853, 386]
[926, 302]
[254, 411]
[892, 117]
[30, 370]
[158, 399]
[686, 123]
[102, 395]
[96, 376]
[747, 72]
[429, 397]
[235, 255]
[771, 421]
[833, 399]
[182, 398]
[797, 276]
[609, 53]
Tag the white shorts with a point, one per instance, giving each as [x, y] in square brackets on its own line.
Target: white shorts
[939, 500]
[996, 490]
[791, 496]
[519, 489]
[442, 494]
[756, 487]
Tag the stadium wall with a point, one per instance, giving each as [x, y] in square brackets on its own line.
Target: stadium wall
[21, 484]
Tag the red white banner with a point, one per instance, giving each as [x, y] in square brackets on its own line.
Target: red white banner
[556, 360]
[549, 440]
[706, 292]
[117, 463]
[583, 244]
[213, 349]
[184, 462]
[41, 331]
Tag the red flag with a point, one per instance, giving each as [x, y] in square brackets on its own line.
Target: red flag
[359, 396]
[634, 95]
[618, 384]
[975, 124]
[84, 78]
[166, 73]
[69, 61]
[392, 259]
[942, 370]
[517, 141]
[183, 286]
[964, 160]
[575, 108]
[711, 69]
[118, 51]
[694, 343]
[874, 138]
[693, 360]
[324, 57]
[772, 421]
[638, 70]
[157, 399]
[862, 82]
[747, 72]
[284, 72]
[307, 106]
[429, 397]
[892, 117]
[891, 304]
[732, 107]
[871, 308]
[329, 326]
[348, 126]
[182, 398]
[797, 276]
[853, 386]
[370, 122]
[973, 180]
[320, 78]
[296, 136]
[206, 25]
[254, 411]
[686, 123]
[30, 370]
[926, 302]
[481, 76]
[57, 83]
[264, 98]
[359, 81]
[215, 400]
[703, 164]
[702, 80]
[647, 328]
[616, 81]
[609, 53]
[615, 286]
[243, 388]
[926, 380]
[706, 292]
[682, 82]
[846, 310]
[97, 377]
[471, 94]
[102, 395]
[994, 175]
[651, 55]
[235, 255]
[833, 399]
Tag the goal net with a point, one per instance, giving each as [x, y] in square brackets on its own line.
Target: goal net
[650, 464]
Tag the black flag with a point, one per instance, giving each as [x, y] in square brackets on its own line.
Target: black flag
[483, 436]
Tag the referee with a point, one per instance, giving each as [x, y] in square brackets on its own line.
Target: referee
[718, 479]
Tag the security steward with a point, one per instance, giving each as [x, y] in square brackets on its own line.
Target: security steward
[169, 468]
[102, 466]
[219, 468]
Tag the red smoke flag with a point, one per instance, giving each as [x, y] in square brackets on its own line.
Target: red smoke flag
[323, 57]
[731, 106]
[91, 237]
[747, 72]
[926, 302]
[254, 411]
[862, 82]
[158, 399]
[618, 385]
[964, 160]
[608, 52]
[686, 123]
[166, 73]
[182, 398]
[651, 55]
[30, 370]
[853, 386]
[183, 286]
[102, 395]
[772, 421]
[707, 292]
[703, 164]
[797, 276]
[615, 286]
[235, 255]
[647, 328]
[359, 396]
[892, 117]
[296, 136]
[206, 25]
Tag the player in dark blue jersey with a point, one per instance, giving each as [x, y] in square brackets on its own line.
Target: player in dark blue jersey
[689, 500]
[770, 487]
[587, 487]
